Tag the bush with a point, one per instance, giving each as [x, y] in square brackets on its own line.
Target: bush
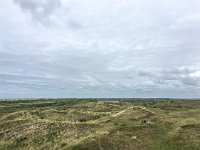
[82, 119]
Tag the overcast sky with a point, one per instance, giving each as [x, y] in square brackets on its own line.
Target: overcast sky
[99, 48]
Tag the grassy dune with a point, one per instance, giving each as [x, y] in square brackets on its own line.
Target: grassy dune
[95, 125]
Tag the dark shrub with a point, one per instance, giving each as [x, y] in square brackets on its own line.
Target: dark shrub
[82, 119]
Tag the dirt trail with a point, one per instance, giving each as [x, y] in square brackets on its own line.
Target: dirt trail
[119, 113]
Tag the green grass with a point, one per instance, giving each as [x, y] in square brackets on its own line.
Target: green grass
[81, 124]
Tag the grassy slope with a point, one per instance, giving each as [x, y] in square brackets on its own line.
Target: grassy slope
[79, 125]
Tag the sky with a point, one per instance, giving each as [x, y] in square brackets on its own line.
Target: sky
[99, 48]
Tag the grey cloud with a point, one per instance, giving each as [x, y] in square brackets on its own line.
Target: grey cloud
[48, 13]
[40, 10]
[190, 81]
[176, 76]
[74, 24]
[23, 81]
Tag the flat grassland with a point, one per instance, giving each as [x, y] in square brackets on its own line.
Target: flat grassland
[89, 124]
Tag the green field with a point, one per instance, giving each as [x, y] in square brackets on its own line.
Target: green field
[91, 124]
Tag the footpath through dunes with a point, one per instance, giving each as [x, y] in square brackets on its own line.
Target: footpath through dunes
[86, 125]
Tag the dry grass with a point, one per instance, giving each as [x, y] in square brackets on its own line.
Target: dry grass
[96, 125]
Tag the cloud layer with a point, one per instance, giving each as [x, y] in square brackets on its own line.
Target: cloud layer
[108, 48]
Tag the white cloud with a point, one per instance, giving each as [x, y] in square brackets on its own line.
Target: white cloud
[92, 48]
